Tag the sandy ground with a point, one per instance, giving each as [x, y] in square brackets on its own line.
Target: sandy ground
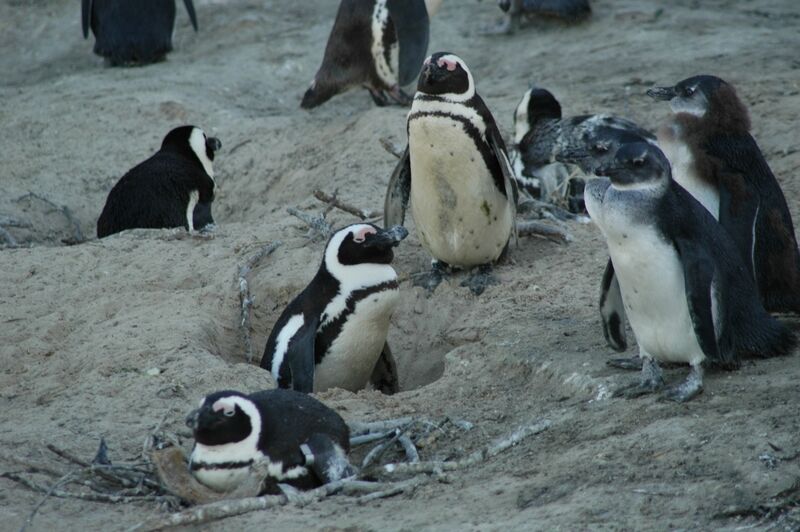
[83, 328]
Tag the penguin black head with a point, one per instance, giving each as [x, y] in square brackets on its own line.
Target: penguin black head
[536, 104]
[361, 244]
[192, 139]
[224, 417]
[707, 97]
[446, 74]
[636, 164]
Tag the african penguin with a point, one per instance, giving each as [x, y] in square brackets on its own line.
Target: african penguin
[687, 294]
[173, 188]
[564, 10]
[129, 33]
[456, 173]
[333, 334]
[551, 155]
[290, 436]
[716, 159]
[379, 44]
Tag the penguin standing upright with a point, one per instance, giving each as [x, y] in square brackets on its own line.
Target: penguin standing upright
[129, 33]
[456, 173]
[686, 291]
[290, 436]
[379, 44]
[716, 159]
[333, 334]
[548, 147]
[173, 188]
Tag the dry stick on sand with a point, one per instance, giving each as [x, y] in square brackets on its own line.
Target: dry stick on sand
[333, 201]
[245, 298]
[539, 229]
[316, 224]
[76, 227]
[391, 147]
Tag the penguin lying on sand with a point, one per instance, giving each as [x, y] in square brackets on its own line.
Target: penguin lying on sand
[173, 188]
[686, 291]
[290, 436]
[129, 33]
[564, 10]
[333, 334]
[379, 44]
[548, 147]
[714, 157]
[455, 172]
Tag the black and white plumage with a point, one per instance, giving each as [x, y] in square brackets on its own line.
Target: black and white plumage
[455, 170]
[565, 10]
[379, 44]
[553, 155]
[129, 33]
[333, 334]
[716, 159]
[290, 436]
[686, 291]
[173, 188]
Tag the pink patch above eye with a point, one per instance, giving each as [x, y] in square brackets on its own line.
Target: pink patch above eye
[447, 63]
[222, 405]
[362, 233]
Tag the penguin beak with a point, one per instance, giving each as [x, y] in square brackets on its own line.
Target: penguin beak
[662, 93]
[192, 419]
[213, 144]
[386, 238]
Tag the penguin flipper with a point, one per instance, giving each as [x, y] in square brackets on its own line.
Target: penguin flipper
[86, 16]
[612, 311]
[509, 185]
[384, 377]
[192, 15]
[326, 460]
[398, 192]
[412, 25]
[698, 272]
[300, 355]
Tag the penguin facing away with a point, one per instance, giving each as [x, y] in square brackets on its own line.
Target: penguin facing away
[456, 174]
[290, 436]
[569, 11]
[552, 156]
[716, 159]
[173, 188]
[686, 291]
[379, 44]
[333, 334]
[130, 33]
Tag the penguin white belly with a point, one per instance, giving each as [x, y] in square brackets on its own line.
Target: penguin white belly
[684, 171]
[461, 216]
[350, 359]
[386, 65]
[653, 288]
[228, 477]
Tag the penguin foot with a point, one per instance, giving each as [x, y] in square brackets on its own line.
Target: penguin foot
[688, 389]
[633, 363]
[400, 96]
[429, 281]
[480, 278]
[650, 381]
[379, 97]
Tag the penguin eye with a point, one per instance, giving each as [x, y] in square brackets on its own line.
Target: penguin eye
[688, 91]
[229, 413]
[639, 161]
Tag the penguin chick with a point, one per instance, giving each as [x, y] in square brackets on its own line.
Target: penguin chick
[553, 156]
[715, 158]
[686, 292]
[290, 437]
[173, 188]
[379, 44]
[456, 174]
[132, 33]
[333, 334]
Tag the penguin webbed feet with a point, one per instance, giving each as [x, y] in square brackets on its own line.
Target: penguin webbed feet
[430, 280]
[688, 389]
[479, 279]
[395, 95]
[650, 381]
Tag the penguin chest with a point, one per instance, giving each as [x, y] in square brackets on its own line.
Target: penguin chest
[351, 356]
[461, 216]
[653, 289]
[684, 170]
[385, 51]
[223, 467]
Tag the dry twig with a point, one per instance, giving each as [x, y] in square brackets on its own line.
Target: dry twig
[391, 147]
[317, 224]
[334, 201]
[245, 298]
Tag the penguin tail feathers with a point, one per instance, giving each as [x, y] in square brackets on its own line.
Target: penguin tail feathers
[773, 340]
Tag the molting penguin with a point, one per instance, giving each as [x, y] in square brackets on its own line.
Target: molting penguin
[548, 147]
[564, 10]
[687, 294]
[379, 44]
[128, 32]
[714, 157]
[455, 172]
[290, 436]
[173, 188]
[333, 334]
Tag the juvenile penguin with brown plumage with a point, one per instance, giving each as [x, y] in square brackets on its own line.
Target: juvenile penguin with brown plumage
[715, 158]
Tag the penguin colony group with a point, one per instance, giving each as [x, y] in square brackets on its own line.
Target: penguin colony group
[700, 240]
